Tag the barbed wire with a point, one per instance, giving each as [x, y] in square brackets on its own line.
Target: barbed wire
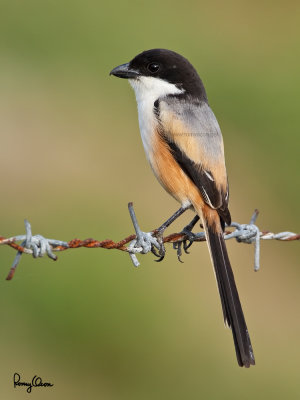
[39, 246]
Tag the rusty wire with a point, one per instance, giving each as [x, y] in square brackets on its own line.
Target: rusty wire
[38, 246]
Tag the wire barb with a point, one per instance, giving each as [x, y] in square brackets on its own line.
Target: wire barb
[140, 243]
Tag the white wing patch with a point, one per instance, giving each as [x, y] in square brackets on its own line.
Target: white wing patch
[208, 175]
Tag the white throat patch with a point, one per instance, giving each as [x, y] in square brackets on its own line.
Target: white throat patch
[147, 90]
[147, 87]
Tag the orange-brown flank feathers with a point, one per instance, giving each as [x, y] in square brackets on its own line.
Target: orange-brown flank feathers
[170, 174]
[176, 182]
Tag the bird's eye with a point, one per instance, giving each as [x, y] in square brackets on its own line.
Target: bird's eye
[153, 67]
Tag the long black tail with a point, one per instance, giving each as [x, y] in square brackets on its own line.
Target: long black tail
[232, 309]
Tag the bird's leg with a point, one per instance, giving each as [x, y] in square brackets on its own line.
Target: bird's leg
[169, 221]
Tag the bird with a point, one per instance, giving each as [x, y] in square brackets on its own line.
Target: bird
[184, 146]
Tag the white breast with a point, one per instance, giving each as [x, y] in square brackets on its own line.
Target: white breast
[147, 91]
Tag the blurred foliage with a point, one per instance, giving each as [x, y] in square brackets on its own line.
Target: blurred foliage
[71, 158]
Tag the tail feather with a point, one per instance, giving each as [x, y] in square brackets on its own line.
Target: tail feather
[231, 305]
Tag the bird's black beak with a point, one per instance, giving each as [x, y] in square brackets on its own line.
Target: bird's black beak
[123, 71]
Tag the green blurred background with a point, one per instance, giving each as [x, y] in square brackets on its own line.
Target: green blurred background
[71, 158]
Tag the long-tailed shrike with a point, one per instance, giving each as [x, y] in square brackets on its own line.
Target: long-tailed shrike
[183, 143]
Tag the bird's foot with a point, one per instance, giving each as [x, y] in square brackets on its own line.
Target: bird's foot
[189, 239]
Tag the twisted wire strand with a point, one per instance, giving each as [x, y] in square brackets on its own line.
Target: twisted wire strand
[39, 246]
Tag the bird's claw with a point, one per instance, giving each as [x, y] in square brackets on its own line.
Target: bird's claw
[184, 244]
[189, 240]
[161, 249]
[178, 247]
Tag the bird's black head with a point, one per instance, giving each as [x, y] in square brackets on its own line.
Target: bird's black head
[165, 65]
